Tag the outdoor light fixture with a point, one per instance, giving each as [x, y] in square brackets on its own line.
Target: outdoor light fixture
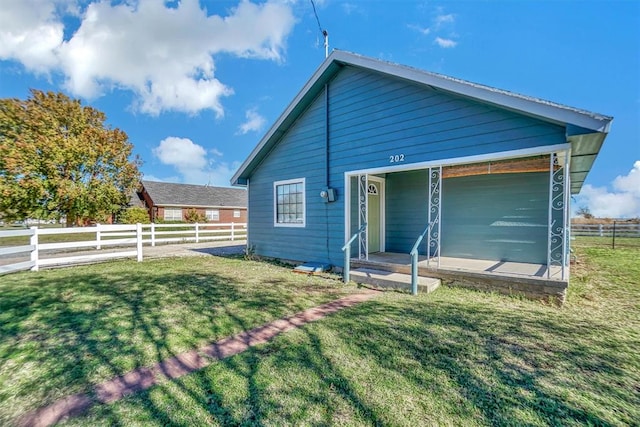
[328, 194]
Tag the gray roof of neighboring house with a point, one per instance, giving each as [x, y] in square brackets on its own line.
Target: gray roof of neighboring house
[135, 200]
[170, 194]
[585, 130]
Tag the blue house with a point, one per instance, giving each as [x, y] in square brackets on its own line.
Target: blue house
[386, 154]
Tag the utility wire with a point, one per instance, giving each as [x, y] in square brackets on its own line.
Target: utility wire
[323, 32]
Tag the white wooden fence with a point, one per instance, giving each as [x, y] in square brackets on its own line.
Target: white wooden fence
[617, 229]
[124, 241]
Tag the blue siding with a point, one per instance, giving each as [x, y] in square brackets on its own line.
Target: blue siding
[300, 154]
[406, 209]
[371, 117]
[496, 217]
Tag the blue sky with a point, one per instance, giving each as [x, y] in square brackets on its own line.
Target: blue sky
[196, 83]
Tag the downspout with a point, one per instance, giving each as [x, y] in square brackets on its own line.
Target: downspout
[326, 132]
[326, 163]
[247, 246]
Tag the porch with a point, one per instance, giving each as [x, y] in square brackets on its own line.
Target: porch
[531, 280]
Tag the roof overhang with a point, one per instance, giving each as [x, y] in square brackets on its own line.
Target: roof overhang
[585, 130]
[584, 150]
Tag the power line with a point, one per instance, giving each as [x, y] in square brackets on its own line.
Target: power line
[323, 32]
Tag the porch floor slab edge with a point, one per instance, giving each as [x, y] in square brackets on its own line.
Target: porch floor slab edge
[388, 279]
[517, 281]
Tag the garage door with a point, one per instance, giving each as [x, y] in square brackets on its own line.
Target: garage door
[496, 217]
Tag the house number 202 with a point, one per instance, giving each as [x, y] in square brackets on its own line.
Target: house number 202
[396, 158]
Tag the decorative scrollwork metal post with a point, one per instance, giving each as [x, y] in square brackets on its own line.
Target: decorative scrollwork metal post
[434, 211]
[363, 245]
[557, 232]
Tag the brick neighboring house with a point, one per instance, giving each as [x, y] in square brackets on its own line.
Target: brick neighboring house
[170, 202]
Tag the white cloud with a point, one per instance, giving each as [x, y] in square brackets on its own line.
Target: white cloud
[181, 153]
[217, 173]
[192, 162]
[629, 183]
[622, 202]
[443, 19]
[350, 8]
[254, 122]
[164, 55]
[441, 24]
[423, 30]
[30, 33]
[445, 43]
[164, 179]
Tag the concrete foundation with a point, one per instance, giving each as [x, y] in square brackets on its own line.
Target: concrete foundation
[528, 280]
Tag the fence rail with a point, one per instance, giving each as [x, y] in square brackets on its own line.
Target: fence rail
[119, 238]
[606, 230]
[615, 234]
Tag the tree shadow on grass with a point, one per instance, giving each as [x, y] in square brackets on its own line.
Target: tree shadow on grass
[485, 364]
[500, 360]
[63, 332]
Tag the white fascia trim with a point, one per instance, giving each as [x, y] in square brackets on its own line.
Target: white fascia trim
[529, 105]
[307, 87]
[304, 203]
[527, 152]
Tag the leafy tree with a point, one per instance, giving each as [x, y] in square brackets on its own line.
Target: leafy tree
[134, 215]
[584, 212]
[58, 159]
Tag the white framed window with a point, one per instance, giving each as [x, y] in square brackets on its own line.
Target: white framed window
[288, 203]
[172, 214]
[212, 214]
[236, 213]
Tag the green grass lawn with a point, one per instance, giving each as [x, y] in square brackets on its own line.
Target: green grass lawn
[63, 330]
[455, 357]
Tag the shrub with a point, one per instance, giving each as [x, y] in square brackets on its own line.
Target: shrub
[134, 215]
[193, 216]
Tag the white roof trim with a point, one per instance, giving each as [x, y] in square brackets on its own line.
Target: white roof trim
[530, 105]
[503, 155]
[546, 110]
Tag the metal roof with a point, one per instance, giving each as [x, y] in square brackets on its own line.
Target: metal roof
[585, 130]
[187, 195]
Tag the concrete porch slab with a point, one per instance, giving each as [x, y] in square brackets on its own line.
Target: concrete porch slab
[388, 279]
[528, 280]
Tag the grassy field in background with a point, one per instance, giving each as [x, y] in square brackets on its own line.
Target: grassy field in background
[188, 235]
[454, 357]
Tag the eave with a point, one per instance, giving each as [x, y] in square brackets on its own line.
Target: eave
[585, 130]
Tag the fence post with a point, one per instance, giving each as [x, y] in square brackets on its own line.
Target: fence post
[600, 230]
[35, 253]
[98, 236]
[613, 242]
[232, 232]
[153, 234]
[139, 241]
[197, 233]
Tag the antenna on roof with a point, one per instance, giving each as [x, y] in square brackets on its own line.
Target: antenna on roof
[324, 33]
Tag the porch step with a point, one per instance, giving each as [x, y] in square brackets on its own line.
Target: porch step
[387, 279]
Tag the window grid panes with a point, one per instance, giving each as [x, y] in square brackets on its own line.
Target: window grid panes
[290, 203]
[173, 214]
[236, 213]
[213, 215]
